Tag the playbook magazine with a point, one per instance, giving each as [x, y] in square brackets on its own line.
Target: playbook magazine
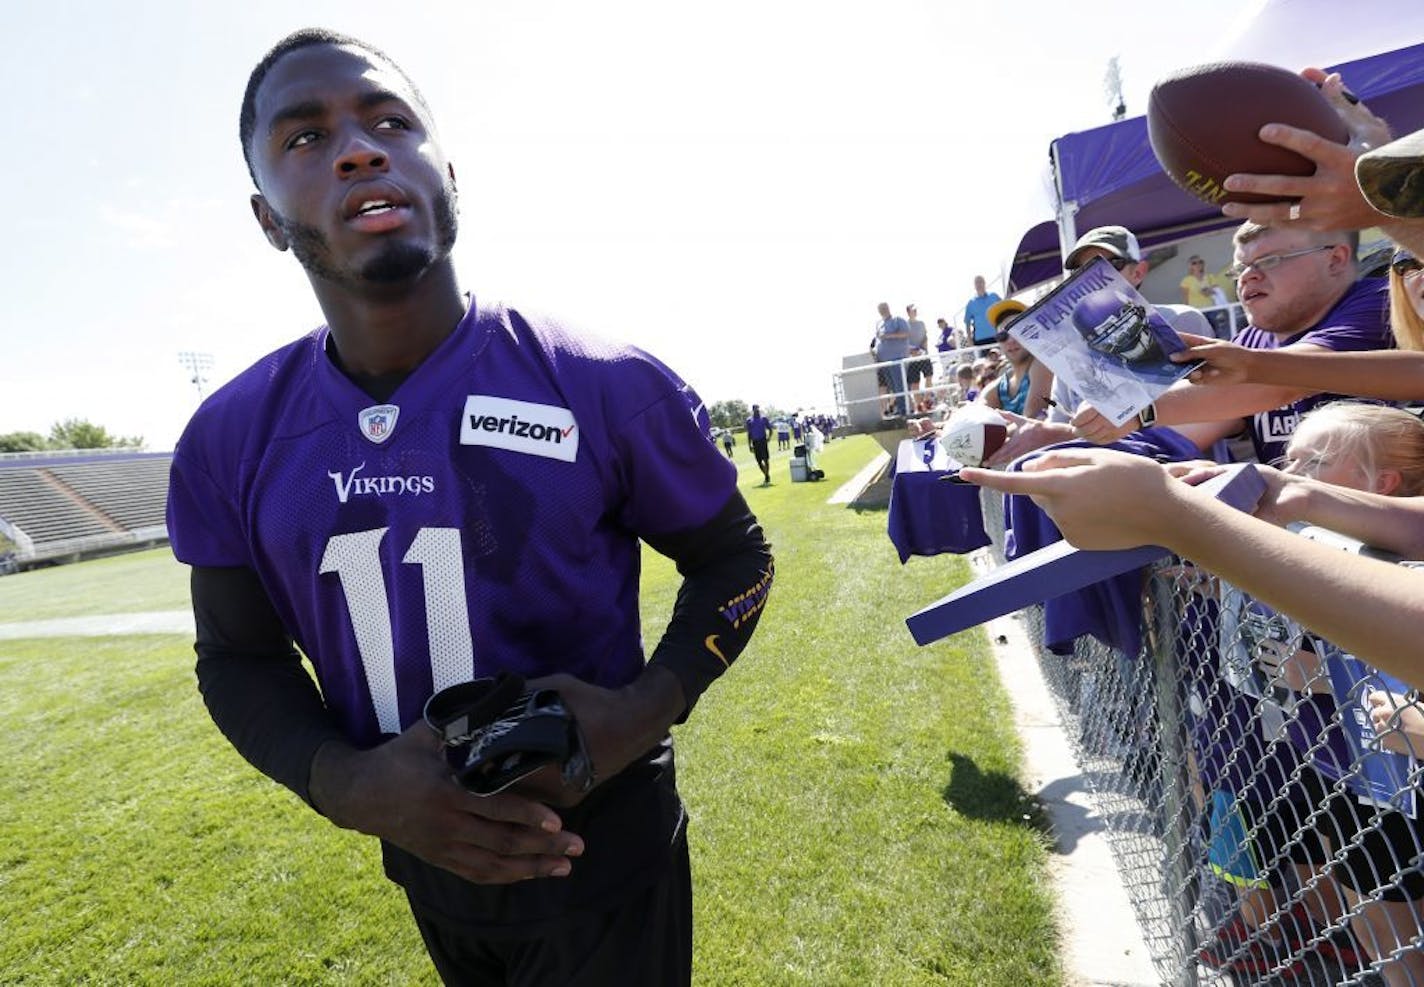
[1096, 332]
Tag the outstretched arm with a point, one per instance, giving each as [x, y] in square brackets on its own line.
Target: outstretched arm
[1395, 524]
[1390, 375]
[1102, 499]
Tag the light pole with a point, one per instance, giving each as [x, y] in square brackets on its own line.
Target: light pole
[197, 365]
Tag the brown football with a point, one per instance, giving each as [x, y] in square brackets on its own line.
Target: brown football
[1203, 124]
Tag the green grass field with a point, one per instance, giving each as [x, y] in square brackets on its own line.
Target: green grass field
[856, 818]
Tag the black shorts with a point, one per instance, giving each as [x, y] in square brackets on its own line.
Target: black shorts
[1279, 832]
[1377, 844]
[644, 941]
[759, 449]
[917, 369]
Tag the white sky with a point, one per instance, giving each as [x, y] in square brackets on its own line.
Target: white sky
[732, 186]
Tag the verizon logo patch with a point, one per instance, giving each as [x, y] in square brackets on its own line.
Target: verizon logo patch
[536, 429]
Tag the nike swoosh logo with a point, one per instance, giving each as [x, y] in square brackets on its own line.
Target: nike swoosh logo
[711, 645]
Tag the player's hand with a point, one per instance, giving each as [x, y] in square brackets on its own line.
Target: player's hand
[618, 726]
[1329, 199]
[1099, 498]
[1027, 435]
[1225, 363]
[1091, 425]
[403, 792]
[1399, 723]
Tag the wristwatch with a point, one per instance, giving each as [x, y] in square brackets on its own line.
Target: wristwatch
[1148, 416]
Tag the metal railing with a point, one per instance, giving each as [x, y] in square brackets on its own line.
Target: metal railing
[1265, 830]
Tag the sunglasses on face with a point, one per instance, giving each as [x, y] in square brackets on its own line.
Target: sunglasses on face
[1002, 336]
[1404, 263]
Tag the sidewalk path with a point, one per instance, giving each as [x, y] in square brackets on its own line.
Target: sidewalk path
[102, 625]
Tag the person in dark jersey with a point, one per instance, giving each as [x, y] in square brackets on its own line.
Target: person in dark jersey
[432, 488]
[758, 434]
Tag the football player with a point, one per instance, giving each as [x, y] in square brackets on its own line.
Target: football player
[433, 488]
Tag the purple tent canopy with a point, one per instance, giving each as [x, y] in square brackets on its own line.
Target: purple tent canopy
[1109, 175]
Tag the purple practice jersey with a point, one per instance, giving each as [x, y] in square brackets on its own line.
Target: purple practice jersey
[483, 519]
[1358, 321]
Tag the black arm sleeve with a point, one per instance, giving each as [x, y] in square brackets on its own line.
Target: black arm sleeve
[252, 679]
[726, 568]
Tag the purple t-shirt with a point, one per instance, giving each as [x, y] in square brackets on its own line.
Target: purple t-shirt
[1359, 321]
[485, 518]
[758, 428]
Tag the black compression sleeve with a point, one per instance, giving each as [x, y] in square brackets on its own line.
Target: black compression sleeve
[726, 566]
[252, 679]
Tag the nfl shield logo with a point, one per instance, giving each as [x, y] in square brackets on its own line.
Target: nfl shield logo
[378, 422]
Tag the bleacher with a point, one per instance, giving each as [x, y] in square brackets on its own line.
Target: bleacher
[71, 504]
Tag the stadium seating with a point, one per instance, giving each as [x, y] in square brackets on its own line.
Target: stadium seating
[68, 505]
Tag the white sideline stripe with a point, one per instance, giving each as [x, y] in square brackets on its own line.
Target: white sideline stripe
[852, 488]
[102, 625]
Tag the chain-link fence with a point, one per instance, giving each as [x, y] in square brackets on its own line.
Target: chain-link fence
[1257, 785]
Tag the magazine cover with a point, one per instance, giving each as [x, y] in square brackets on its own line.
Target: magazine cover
[1097, 332]
[1379, 777]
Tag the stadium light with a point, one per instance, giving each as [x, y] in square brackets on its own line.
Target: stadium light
[198, 365]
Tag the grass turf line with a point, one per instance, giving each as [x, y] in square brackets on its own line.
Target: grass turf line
[855, 818]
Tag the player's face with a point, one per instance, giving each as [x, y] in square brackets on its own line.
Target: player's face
[352, 178]
[1290, 296]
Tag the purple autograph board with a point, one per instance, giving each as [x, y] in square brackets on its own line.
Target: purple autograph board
[1058, 569]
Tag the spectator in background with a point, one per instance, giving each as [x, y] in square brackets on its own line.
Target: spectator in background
[920, 371]
[1023, 387]
[783, 434]
[728, 441]
[976, 314]
[946, 337]
[982, 374]
[892, 335]
[1200, 289]
[758, 434]
[964, 377]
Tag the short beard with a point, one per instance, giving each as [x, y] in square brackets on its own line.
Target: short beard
[398, 261]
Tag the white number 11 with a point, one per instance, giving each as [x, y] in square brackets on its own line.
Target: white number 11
[356, 559]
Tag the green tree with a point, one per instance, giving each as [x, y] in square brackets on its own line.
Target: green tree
[76, 433]
[729, 414]
[23, 442]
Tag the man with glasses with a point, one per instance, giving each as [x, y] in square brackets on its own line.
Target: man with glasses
[1302, 292]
